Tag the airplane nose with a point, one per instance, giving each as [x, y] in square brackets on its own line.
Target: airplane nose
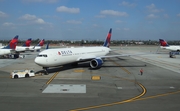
[37, 61]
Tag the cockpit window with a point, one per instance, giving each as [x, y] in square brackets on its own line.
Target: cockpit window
[43, 55]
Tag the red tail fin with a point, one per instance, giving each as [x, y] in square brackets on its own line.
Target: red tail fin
[163, 42]
[13, 43]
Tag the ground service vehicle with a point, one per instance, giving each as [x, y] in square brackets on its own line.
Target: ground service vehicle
[22, 73]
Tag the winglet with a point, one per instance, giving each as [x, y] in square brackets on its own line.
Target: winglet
[108, 39]
[13, 43]
[163, 42]
[27, 43]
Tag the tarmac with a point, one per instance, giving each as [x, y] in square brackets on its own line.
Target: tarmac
[117, 85]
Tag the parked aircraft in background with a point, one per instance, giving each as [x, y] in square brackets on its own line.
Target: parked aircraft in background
[24, 47]
[61, 56]
[38, 47]
[10, 48]
[164, 45]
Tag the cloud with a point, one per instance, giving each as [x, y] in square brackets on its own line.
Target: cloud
[152, 9]
[151, 16]
[33, 19]
[41, 1]
[127, 4]
[39, 21]
[73, 22]
[2, 14]
[28, 17]
[100, 16]
[8, 24]
[178, 15]
[68, 10]
[113, 13]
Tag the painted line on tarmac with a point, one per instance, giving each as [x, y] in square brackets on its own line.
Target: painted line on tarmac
[124, 69]
[117, 103]
[158, 95]
[163, 62]
[52, 78]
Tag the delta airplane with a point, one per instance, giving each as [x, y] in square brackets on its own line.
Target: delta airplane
[10, 48]
[61, 56]
[164, 45]
[38, 47]
[24, 47]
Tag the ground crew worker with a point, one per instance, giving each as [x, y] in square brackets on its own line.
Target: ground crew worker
[141, 71]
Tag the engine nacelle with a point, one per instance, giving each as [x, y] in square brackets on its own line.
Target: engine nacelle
[96, 63]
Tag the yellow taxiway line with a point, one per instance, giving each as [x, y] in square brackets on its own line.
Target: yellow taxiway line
[124, 69]
[117, 103]
[52, 78]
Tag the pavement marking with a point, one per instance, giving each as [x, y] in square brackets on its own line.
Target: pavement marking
[65, 88]
[52, 78]
[124, 69]
[96, 77]
[128, 100]
[163, 62]
[79, 70]
[117, 103]
[158, 95]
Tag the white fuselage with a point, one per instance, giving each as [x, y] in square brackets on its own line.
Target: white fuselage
[61, 56]
[21, 48]
[5, 51]
[173, 48]
[34, 48]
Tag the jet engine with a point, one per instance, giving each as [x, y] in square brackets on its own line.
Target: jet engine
[96, 63]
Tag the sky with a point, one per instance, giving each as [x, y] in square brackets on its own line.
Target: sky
[90, 19]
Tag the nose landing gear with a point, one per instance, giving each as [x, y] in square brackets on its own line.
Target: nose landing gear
[45, 70]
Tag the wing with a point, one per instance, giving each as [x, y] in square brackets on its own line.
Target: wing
[90, 57]
[86, 57]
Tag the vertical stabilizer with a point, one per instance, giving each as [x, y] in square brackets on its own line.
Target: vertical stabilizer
[13, 43]
[27, 43]
[47, 46]
[163, 43]
[108, 39]
[41, 43]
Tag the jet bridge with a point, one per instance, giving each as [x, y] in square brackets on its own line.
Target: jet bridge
[173, 53]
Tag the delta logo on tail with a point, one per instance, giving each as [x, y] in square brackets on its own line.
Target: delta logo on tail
[41, 43]
[28, 42]
[13, 43]
[108, 39]
[163, 42]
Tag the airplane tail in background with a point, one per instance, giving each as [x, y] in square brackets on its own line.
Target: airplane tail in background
[41, 43]
[13, 43]
[27, 43]
[108, 39]
[163, 43]
[47, 46]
